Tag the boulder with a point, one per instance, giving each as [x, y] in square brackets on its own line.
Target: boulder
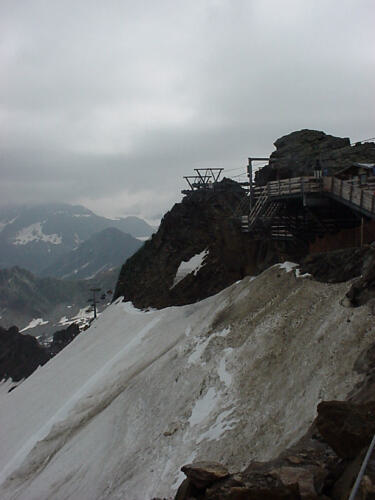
[202, 474]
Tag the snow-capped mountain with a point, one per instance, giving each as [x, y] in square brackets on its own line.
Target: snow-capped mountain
[34, 237]
[233, 378]
[103, 251]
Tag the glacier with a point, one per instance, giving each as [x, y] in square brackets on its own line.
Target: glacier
[232, 378]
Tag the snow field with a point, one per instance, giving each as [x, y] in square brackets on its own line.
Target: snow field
[232, 378]
[34, 232]
[191, 266]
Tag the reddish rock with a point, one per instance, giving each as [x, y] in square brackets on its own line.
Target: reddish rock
[202, 474]
[255, 486]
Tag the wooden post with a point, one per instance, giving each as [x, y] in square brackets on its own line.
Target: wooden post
[362, 224]
[351, 192]
[341, 185]
[361, 198]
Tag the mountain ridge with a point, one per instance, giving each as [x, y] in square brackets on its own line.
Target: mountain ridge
[34, 237]
[104, 250]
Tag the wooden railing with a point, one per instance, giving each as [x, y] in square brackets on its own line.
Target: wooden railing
[294, 185]
[361, 198]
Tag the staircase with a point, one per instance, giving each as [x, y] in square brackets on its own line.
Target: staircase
[269, 217]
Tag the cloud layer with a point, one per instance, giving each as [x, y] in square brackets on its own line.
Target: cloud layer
[111, 103]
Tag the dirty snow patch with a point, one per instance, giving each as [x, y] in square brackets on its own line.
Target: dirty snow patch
[224, 375]
[201, 345]
[220, 427]
[203, 407]
[33, 323]
[191, 266]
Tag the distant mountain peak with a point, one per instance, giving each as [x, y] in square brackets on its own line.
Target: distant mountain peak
[36, 236]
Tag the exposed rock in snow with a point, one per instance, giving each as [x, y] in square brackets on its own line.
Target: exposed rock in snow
[83, 318]
[126, 404]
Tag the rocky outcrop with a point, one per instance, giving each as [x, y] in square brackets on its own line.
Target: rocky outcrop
[322, 465]
[343, 265]
[62, 338]
[205, 220]
[20, 355]
[298, 474]
[340, 265]
[298, 153]
[363, 289]
[347, 427]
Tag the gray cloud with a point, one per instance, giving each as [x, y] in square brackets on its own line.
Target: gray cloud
[110, 103]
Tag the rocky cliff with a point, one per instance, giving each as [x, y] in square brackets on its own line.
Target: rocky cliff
[205, 221]
[298, 153]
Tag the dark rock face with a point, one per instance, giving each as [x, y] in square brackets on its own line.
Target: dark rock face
[298, 153]
[343, 265]
[63, 337]
[340, 265]
[20, 355]
[363, 289]
[345, 426]
[204, 220]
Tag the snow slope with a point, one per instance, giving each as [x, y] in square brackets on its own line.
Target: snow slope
[139, 394]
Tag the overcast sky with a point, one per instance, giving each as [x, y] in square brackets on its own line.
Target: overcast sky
[109, 103]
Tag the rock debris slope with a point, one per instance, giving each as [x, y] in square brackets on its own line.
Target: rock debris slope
[232, 378]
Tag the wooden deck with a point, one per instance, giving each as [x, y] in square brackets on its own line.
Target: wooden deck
[359, 198]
